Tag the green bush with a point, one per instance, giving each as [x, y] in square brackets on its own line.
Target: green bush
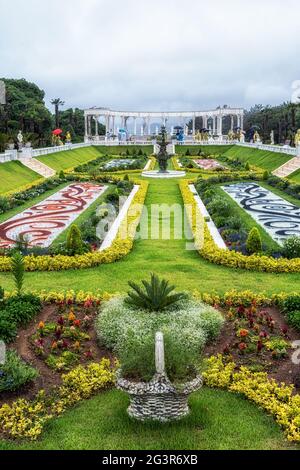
[291, 303]
[291, 247]
[130, 333]
[293, 318]
[8, 327]
[15, 373]
[22, 309]
[74, 244]
[254, 243]
[18, 270]
[155, 295]
[219, 206]
[234, 222]
[266, 175]
[62, 175]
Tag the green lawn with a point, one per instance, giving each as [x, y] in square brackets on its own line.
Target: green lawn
[13, 175]
[295, 177]
[219, 421]
[260, 158]
[69, 159]
[168, 258]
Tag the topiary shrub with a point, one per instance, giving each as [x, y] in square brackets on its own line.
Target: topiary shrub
[74, 244]
[266, 175]
[62, 175]
[254, 243]
[219, 206]
[291, 247]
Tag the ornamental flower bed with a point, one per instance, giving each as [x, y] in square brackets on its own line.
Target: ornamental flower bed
[208, 164]
[258, 337]
[66, 338]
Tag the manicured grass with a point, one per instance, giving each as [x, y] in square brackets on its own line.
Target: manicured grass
[248, 221]
[260, 158]
[168, 258]
[13, 175]
[69, 159]
[219, 421]
[119, 149]
[207, 149]
[295, 177]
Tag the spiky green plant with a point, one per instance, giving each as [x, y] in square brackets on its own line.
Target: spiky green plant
[18, 270]
[155, 295]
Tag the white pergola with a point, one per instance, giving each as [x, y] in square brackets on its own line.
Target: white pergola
[141, 121]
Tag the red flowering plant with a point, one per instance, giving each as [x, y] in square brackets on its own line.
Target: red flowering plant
[64, 340]
[256, 333]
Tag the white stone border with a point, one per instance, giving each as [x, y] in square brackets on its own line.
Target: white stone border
[210, 224]
[147, 165]
[113, 231]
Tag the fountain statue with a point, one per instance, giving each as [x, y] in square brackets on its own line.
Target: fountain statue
[163, 156]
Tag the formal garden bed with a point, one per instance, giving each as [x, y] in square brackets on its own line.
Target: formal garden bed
[67, 357]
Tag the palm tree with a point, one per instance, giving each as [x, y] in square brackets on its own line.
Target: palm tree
[57, 102]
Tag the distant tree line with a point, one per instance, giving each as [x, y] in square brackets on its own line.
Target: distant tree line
[25, 110]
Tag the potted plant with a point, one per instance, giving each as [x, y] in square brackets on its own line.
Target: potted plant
[158, 336]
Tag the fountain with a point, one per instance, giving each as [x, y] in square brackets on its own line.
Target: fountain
[163, 157]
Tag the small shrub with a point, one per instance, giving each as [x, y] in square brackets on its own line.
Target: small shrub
[22, 309]
[266, 175]
[219, 206]
[293, 318]
[291, 303]
[8, 327]
[15, 373]
[234, 222]
[75, 245]
[254, 243]
[155, 295]
[18, 269]
[291, 247]
[62, 175]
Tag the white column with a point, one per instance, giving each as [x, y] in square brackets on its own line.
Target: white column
[214, 124]
[232, 122]
[86, 125]
[194, 125]
[220, 126]
[114, 125]
[134, 125]
[90, 126]
[96, 126]
[106, 124]
[149, 126]
[238, 121]
[242, 122]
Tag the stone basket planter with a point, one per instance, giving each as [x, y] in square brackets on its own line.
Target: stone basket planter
[158, 399]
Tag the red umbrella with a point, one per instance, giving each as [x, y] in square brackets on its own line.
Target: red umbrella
[57, 132]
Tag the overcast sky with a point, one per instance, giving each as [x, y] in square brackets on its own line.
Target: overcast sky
[153, 54]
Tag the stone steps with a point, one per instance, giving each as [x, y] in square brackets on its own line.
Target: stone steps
[288, 168]
[38, 167]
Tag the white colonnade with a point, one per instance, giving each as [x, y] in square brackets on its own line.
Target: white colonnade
[147, 123]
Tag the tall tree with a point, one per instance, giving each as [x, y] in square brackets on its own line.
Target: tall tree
[57, 102]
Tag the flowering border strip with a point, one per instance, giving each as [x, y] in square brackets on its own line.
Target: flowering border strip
[212, 253]
[27, 418]
[120, 247]
[277, 399]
